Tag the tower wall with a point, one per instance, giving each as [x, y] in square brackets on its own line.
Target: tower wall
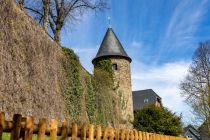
[122, 82]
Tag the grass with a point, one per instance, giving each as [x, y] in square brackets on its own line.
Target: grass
[6, 136]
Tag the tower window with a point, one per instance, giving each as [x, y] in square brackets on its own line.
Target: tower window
[114, 67]
[146, 100]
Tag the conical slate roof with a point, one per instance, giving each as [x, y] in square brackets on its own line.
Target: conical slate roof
[111, 46]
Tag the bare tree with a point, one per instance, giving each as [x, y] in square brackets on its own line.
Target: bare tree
[60, 12]
[196, 86]
[21, 3]
[46, 7]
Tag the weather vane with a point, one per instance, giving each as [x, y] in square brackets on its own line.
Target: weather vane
[109, 19]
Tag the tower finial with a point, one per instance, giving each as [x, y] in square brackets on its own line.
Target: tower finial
[109, 19]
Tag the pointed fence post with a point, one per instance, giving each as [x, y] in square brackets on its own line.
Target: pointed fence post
[147, 136]
[165, 137]
[98, 132]
[41, 129]
[117, 134]
[2, 123]
[105, 135]
[158, 136]
[168, 138]
[143, 136]
[84, 132]
[127, 135]
[154, 136]
[15, 134]
[140, 135]
[74, 131]
[150, 136]
[53, 129]
[29, 127]
[122, 134]
[22, 133]
[131, 135]
[136, 135]
[111, 134]
[91, 132]
[64, 131]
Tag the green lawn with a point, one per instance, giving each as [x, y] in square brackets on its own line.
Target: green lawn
[6, 136]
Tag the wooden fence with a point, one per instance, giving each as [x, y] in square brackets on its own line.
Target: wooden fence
[24, 128]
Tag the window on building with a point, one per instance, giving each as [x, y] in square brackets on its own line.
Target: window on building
[114, 67]
[158, 100]
[189, 137]
[146, 100]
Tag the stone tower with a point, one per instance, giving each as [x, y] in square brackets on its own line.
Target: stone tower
[111, 48]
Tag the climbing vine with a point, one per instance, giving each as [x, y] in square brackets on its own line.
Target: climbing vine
[90, 100]
[123, 101]
[73, 88]
[106, 99]
[106, 66]
[101, 101]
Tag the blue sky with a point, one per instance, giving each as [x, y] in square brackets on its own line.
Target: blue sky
[159, 35]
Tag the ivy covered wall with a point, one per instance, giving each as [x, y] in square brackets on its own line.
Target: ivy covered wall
[73, 87]
[90, 98]
[41, 79]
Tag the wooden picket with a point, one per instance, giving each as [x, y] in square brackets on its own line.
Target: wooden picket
[24, 128]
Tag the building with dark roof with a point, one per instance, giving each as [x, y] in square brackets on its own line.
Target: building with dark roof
[191, 133]
[204, 131]
[141, 98]
[112, 49]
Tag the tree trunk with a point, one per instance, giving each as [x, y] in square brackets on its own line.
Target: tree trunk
[46, 14]
[57, 36]
[21, 4]
[57, 31]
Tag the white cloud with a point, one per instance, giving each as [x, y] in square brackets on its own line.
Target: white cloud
[136, 44]
[180, 33]
[170, 72]
[85, 50]
[164, 80]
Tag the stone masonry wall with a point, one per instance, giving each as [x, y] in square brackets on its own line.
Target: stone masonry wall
[30, 67]
[122, 81]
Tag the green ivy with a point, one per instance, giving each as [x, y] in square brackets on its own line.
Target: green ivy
[106, 66]
[106, 99]
[123, 101]
[73, 89]
[100, 99]
[90, 100]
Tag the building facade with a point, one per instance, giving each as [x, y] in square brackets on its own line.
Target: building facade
[142, 98]
[204, 131]
[191, 133]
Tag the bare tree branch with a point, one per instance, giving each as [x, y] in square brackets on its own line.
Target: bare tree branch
[35, 11]
[61, 11]
[196, 86]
